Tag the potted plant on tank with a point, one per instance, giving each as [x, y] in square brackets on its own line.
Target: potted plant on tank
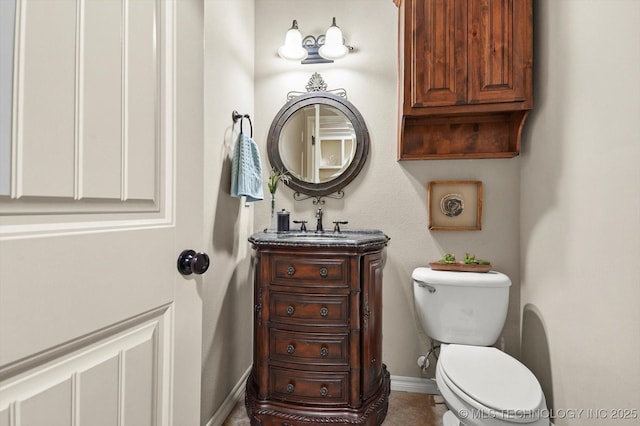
[470, 264]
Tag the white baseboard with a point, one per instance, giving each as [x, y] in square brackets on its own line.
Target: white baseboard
[414, 384]
[236, 394]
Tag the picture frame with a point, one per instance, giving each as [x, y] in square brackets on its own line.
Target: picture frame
[455, 205]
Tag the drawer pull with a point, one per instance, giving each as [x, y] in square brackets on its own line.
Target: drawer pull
[290, 310]
[324, 351]
[290, 349]
[290, 388]
[291, 270]
[324, 311]
[324, 272]
[324, 391]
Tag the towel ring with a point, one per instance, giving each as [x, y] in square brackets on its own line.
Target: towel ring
[237, 116]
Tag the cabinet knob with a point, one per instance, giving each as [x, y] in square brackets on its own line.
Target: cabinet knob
[291, 270]
[290, 388]
[324, 272]
[324, 351]
[290, 349]
[324, 391]
[324, 311]
[290, 310]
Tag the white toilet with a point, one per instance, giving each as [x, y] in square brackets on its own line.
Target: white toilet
[481, 385]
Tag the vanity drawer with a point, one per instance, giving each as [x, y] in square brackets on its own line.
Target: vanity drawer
[308, 387]
[305, 309]
[309, 348]
[301, 271]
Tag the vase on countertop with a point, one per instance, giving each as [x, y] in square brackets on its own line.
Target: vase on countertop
[273, 224]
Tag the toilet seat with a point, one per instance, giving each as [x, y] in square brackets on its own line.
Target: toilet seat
[492, 382]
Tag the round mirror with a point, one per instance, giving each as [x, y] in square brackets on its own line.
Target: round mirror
[320, 140]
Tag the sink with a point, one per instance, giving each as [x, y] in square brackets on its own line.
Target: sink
[312, 235]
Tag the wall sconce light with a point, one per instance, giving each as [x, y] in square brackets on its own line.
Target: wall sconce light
[314, 50]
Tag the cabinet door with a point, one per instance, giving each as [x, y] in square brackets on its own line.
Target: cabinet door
[436, 63]
[500, 52]
[371, 324]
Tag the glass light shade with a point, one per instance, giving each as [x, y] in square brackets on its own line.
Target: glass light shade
[333, 47]
[292, 48]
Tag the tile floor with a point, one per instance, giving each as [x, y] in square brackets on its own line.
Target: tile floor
[405, 409]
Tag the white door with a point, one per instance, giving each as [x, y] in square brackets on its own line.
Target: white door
[100, 190]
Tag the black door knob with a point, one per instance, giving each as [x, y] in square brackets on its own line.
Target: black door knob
[190, 262]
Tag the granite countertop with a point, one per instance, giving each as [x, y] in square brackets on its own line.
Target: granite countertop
[351, 238]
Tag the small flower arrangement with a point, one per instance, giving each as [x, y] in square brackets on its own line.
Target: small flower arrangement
[275, 178]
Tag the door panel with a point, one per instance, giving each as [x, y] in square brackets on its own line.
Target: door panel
[372, 372]
[438, 54]
[93, 314]
[497, 50]
[44, 104]
[101, 111]
[87, 106]
[116, 374]
[141, 72]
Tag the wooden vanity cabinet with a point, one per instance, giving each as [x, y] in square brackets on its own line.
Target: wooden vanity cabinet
[317, 334]
[466, 77]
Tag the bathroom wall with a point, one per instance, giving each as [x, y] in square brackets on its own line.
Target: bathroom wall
[226, 289]
[580, 210]
[388, 195]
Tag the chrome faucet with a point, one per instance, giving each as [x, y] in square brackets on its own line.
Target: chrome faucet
[319, 217]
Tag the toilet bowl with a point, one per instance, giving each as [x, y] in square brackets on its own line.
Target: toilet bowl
[481, 385]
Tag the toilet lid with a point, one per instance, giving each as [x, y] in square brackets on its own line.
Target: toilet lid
[492, 378]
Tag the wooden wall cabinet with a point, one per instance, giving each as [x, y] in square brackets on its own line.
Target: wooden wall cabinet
[465, 77]
[318, 331]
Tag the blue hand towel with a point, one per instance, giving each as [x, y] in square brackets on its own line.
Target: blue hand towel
[246, 170]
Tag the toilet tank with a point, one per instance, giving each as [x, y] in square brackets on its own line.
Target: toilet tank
[461, 307]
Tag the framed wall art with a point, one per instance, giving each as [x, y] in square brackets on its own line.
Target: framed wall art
[455, 205]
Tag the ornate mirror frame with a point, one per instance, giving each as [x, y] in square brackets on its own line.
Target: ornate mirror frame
[331, 188]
